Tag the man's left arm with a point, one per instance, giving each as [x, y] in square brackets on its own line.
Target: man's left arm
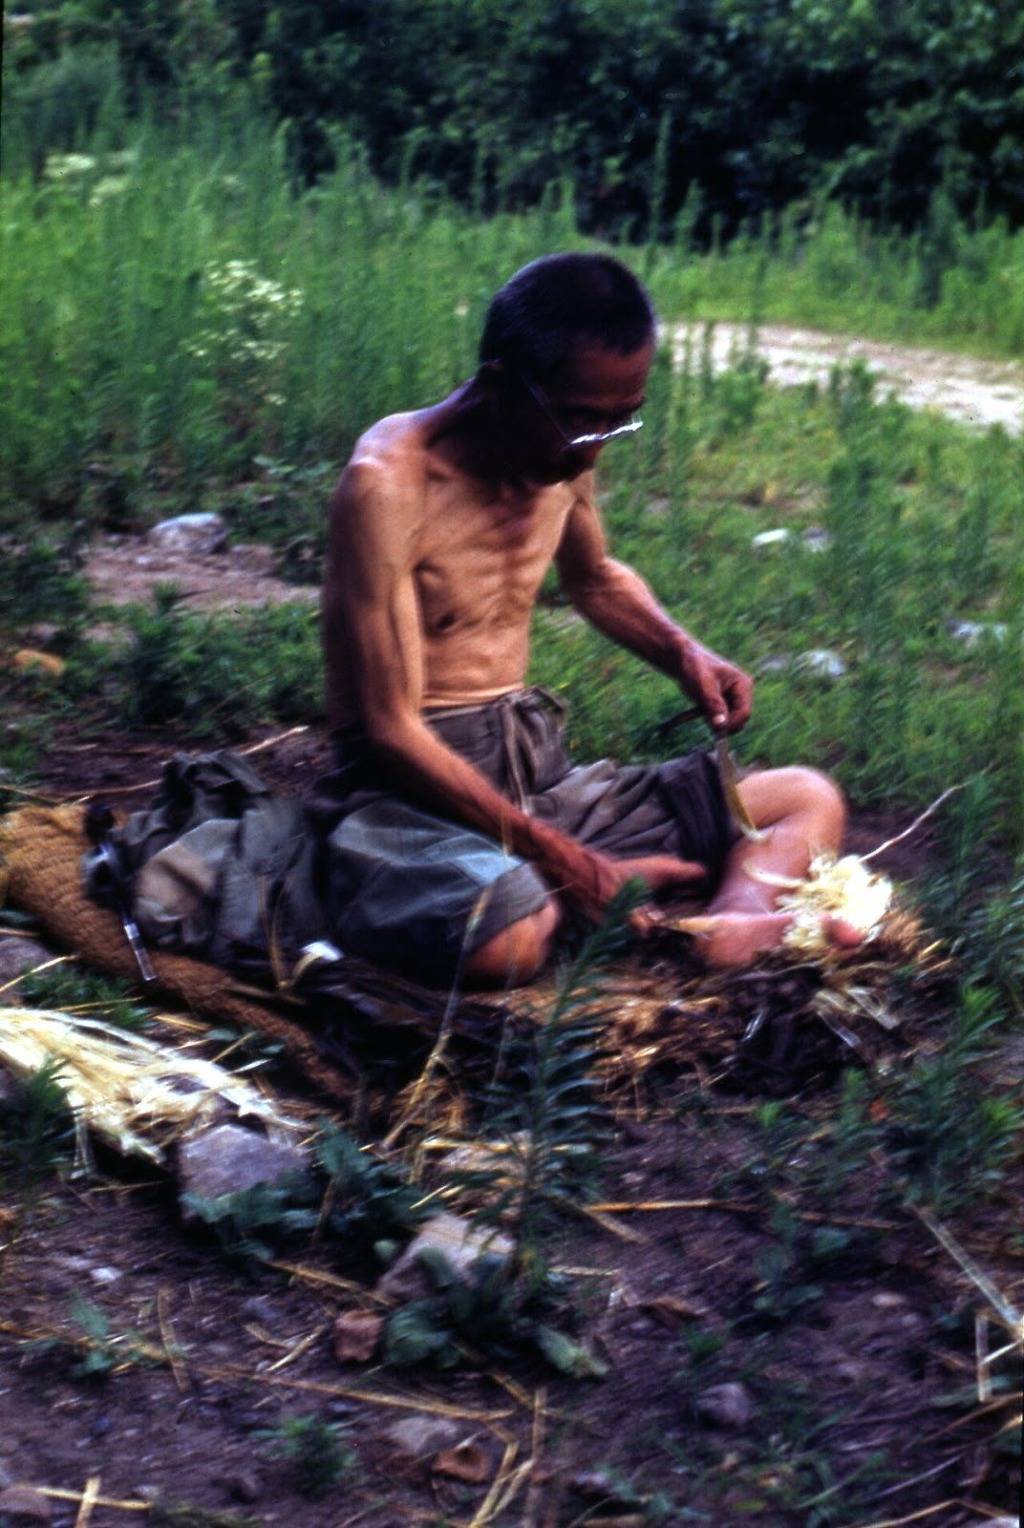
[615, 599]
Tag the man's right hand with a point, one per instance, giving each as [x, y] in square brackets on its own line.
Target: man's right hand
[590, 881]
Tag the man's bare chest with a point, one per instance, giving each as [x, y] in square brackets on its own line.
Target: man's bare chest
[482, 564]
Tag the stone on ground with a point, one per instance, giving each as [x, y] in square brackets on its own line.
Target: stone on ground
[422, 1437]
[230, 1159]
[461, 1242]
[199, 533]
[22, 1504]
[17, 956]
[728, 1405]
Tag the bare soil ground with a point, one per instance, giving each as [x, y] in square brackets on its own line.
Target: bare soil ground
[847, 1376]
[847, 1391]
[974, 392]
[848, 1381]
[124, 570]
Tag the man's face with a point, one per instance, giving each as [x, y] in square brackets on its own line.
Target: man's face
[594, 391]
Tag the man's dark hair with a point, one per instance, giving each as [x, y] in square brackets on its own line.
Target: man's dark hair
[561, 301]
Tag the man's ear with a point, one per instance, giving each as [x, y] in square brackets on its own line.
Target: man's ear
[492, 377]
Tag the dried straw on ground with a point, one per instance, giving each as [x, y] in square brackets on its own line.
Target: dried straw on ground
[788, 1019]
[135, 1095]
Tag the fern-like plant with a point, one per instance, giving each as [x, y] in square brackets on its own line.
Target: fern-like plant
[544, 1102]
[37, 1128]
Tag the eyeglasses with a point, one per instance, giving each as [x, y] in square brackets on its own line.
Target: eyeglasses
[569, 442]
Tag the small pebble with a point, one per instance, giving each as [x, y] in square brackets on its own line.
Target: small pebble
[104, 1275]
[75, 1264]
[261, 1308]
[888, 1299]
[18, 1502]
[242, 1487]
[729, 1405]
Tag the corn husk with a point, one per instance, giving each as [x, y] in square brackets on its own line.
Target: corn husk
[843, 888]
[134, 1094]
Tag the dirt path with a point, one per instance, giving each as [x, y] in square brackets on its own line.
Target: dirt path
[123, 570]
[973, 392]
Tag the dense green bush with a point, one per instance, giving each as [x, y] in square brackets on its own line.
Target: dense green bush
[754, 105]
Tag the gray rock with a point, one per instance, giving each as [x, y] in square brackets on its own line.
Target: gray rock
[199, 533]
[18, 955]
[778, 663]
[461, 1242]
[23, 1502]
[774, 537]
[105, 1275]
[815, 539]
[229, 1160]
[973, 633]
[9, 1090]
[422, 1437]
[41, 634]
[822, 662]
[242, 1486]
[728, 1405]
[260, 1308]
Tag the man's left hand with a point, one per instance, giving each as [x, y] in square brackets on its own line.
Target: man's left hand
[724, 692]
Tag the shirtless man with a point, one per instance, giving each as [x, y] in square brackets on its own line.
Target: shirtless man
[459, 824]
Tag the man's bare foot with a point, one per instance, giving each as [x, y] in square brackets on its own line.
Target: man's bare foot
[735, 938]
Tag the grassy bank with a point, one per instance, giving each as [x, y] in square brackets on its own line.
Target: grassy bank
[173, 307]
[183, 330]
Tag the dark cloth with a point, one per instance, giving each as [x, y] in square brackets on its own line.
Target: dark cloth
[220, 868]
[216, 867]
[407, 887]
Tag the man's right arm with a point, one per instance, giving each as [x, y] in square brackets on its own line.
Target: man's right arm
[370, 606]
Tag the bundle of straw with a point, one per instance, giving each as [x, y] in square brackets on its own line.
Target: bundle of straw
[132, 1093]
[835, 888]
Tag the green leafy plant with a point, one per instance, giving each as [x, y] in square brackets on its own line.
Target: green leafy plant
[37, 1127]
[543, 1103]
[70, 988]
[352, 1195]
[253, 1223]
[492, 1315]
[852, 1136]
[366, 1200]
[319, 1454]
[214, 674]
[98, 1351]
[952, 1138]
[994, 943]
[286, 509]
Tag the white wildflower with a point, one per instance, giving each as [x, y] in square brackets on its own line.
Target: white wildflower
[67, 166]
[107, 188]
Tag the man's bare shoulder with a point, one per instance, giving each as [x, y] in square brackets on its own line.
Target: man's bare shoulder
[395, 457]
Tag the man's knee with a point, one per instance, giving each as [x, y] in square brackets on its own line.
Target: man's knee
[772, 795]
[517, 953]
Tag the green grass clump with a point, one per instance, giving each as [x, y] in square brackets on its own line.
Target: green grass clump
[37, 1127]
[212, 676]
[74, 989]
[317, 1451]
[956, 1138]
